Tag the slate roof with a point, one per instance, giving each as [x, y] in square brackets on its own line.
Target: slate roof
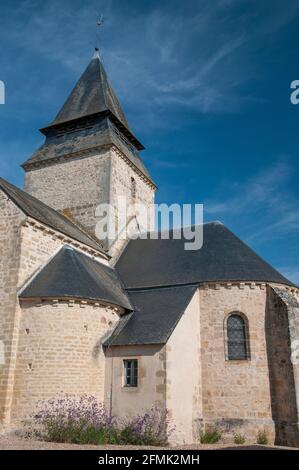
[149, 263]
[91, 117]
[101, 134]
[161, 278]
[156, 314]
[46, 215]
[92, 94]
[72, 274]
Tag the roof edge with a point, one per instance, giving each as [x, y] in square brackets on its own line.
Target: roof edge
[122, 323]
[130, 136]
[127, 306]
[212, 281]
[99, 249]
[28, 164]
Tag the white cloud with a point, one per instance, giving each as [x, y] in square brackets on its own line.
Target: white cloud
[264, 205]
[192, 56]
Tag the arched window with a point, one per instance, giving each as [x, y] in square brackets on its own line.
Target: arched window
[237, 337]
[133, 188]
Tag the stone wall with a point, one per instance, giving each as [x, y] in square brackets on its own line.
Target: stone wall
[36, 248]
[24, 247]
[52, 338]
[59, 352]
[121, 185]
[236, 394]
[76, 186]
[193, 379]
[11, 219]
[282, 329]
[55, 347]
[38, 244]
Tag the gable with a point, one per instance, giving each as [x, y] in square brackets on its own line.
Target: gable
[47, 216]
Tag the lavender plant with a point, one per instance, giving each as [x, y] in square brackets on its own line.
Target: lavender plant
[152, 428]
[85, 420]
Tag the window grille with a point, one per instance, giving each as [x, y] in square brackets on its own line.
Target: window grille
[130, 372]
[237, 338]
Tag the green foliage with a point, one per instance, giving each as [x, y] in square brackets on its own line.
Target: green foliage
[209, 437]
[86, 421]
[76, 433]
[85, 433]
[239, 439]
[262, 438]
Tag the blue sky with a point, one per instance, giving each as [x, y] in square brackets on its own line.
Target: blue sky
[205, 86]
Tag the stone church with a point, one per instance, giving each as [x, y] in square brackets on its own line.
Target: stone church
[208, 335]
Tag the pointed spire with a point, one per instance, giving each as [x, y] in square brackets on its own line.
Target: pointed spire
[93, 113]
[92, 94]
[96, 54]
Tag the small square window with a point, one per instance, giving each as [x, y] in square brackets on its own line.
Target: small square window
[131, 373]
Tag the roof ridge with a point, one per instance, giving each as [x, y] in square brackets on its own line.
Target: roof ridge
[182, 227]
[161, 287]
[107, 270]
[10, 190]
[77, 224]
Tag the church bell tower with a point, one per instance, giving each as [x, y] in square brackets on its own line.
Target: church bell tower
[90, 157]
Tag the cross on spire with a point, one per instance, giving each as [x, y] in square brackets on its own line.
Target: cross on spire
[100, 23]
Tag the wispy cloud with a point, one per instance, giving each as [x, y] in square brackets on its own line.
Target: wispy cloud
[291, 273]
[263, 203]
[261, 188]
[166, 60]
[192, 55]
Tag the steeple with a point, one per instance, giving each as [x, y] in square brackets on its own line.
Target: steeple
[91, 96]
[90, 157]
[90, 117]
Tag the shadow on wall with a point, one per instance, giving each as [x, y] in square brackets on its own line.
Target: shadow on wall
[281, 373]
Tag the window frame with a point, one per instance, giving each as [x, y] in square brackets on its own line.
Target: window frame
[132, 383]
[246, 338]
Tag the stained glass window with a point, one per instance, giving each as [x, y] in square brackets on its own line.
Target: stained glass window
[237, 347]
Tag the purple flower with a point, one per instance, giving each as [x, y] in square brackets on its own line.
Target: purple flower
[86, 420]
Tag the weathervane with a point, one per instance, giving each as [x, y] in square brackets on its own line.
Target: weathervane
[100, 22]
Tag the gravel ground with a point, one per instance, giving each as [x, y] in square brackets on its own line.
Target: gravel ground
[11, 442]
